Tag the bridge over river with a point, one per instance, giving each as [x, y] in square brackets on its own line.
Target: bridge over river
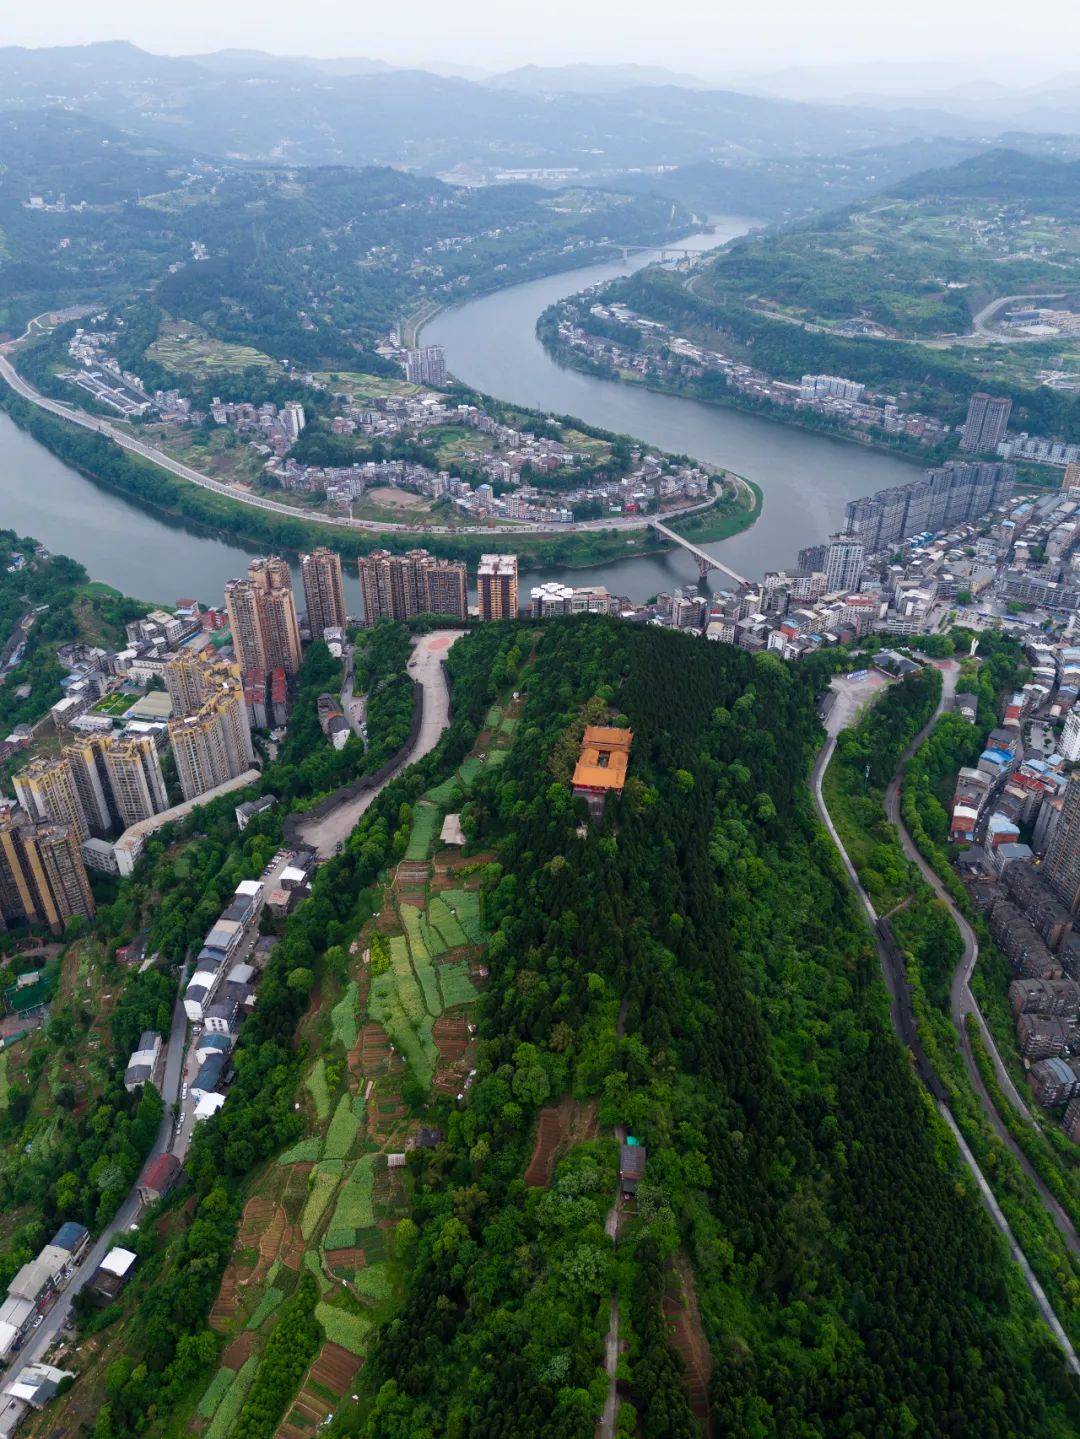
[705, 561]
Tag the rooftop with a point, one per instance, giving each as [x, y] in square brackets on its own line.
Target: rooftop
[604, 756]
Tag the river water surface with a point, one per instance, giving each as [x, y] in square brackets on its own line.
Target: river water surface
[491, 344]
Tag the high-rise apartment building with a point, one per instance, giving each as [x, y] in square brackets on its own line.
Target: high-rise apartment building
[242, 607]
[392, 586]
[47, 792]
[214, 744]
[135, 779]
[986, 423]
[90, 774]
[446, 588]
[497, 587]
[42, 874]
[262, 617]
[426, 365]
[1061, 868]
[952, 494]
[324, 591]
[843, 562]
[186, 681]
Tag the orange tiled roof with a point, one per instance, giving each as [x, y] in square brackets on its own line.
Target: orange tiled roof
[605, 754]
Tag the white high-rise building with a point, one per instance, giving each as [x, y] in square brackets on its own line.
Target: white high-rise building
[1070, 737]
[426, 365]
[843, 562]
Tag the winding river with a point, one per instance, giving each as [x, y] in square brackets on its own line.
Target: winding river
[490, 343]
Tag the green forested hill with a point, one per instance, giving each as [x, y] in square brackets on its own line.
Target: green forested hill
[305, 263]
[848, 1279]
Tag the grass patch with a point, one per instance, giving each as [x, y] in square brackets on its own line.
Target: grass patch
[470, 768]
[373, 1282]
[424, 826]
[316, 1083]
[442, 794]
[340, 1327]
[446, 922]
[432, 939]
[215, 1392]
[413, 1039]
[232, 1401]
[467, 904]
[304, 1151]
[422, 965]
[354, 1207]
[266, 1306]
[323, 1182]
[342, 1131]
[343, 1016]
[457, 987]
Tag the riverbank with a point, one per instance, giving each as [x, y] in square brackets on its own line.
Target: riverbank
[102, 460]
[909, 452]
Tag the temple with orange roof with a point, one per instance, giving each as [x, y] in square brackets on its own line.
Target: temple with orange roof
[601, 766]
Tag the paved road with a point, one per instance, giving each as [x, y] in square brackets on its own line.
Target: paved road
[135, 446]
[40, 1339]
[353, 706]
[849, 699]
[327, 833]
[962, 1001]
[981, 325]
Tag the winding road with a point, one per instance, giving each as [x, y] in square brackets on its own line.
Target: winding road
[326, 833]
[849, 698]
[961, 1000]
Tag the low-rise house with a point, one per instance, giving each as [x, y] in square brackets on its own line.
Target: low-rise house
[247, 811]
[250, 892]
[41, 1279]
[113, 1273]
[160, 1176]
[632, 1158]
[16, 1317]
[210, 1074]
[36, 1384]
[207, 1106]
[1012, 852]
[199, 992]
[213, 1044]
[145, 1061]
[73, 1238]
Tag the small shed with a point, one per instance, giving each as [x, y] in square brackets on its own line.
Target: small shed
[631, 1167]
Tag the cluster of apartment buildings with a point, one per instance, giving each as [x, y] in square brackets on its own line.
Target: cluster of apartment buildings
[401, 586]
[93, 801]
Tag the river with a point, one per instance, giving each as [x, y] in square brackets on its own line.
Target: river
[806, 477]
[490, 343]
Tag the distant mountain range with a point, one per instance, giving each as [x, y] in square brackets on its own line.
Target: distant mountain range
[257, 107]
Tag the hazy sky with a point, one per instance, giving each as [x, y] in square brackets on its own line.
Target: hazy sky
[1017, 44]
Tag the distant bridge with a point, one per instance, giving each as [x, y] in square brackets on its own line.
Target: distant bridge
[665, 252]
[706, 562]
